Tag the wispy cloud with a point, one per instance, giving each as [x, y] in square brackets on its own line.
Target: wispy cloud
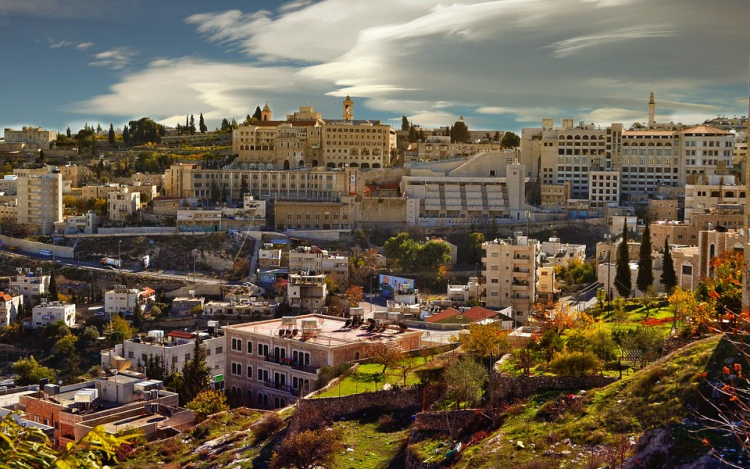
[84, 45]
[57, 45]
[113, 58]
[295, 5]
[573, 45]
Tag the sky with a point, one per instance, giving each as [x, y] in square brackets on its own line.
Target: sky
[502, 65]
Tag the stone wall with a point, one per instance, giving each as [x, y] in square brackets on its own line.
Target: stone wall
[381, 211]
[312, 413]
[507, 387]
[443, 421]
[34, 247]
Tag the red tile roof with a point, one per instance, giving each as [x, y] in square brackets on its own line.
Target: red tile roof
[180, 335]
[147, 291]
[444, 314]
[5, 297]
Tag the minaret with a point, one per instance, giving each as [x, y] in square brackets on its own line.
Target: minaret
[265, 114]
[651, 108]
[348, 109]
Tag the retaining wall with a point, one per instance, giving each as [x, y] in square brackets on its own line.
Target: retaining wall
[507, 387]
[34, 247]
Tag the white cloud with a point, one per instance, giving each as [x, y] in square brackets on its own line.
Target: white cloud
[113, 58]
[577, 44]
[57, 45]
[84, 45]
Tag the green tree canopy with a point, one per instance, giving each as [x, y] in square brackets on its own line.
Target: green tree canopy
[29, 371]
[401, 251]
[623, 279]
[460, 132]
[465, 380]
[668, 275]
[645, 277]
[404, 123]
[510, 140]
[145, 130]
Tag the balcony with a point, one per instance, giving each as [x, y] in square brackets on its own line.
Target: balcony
[290, 363]
[281, 387]
[522, 270]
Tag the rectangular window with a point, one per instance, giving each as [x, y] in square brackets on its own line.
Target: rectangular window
[237, 345]
[237, 369]
[249, 372]
[250, 347]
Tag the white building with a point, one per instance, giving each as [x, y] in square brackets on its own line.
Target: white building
[122, 203]
[30, 285]
[40, 200]
[174, 350]
[10, 305]
[125, 300]
[510, 272]
[32, 136]
[56, 311]
[560, 255]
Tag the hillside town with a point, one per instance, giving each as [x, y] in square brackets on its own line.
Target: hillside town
[285, 275]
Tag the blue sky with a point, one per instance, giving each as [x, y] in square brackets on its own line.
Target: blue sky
[501, 64]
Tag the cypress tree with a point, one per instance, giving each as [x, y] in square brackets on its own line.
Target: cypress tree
[202, 124]
[53, 287]
[125, 134]
[623, 280]
[258, 114]
[645, 263]
[668, 275]
[111, 134]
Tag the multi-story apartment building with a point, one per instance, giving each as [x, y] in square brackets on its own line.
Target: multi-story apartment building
[122, 204]
[173, 351]
[306, 292]
[32, 136]
[663, 209]
[272, 363]
[312, 258]
[191, 181]
[304, 139]
[10, 305]
[509, 267]
[199, 220]
[604, 189]
[240, 307]
[40, 201]
[56, 311]
[32, 286]
[9, 184]
[124, 300]
[556, 196]
[705, 151]
[327, 215]
[561, 254]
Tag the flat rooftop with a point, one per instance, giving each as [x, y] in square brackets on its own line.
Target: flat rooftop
[330, 331]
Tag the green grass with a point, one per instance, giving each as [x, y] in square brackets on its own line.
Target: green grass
[368, 378]
[371, 446]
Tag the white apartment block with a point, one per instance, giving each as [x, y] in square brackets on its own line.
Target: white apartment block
[56, 311]
[244, 308]
[174, 352]
[40, 201]
[31, 286]
[122, 204]
[10, 305]
[561, 254]
[509, 267]
[32, 136]
[123, 300]
[9, 184]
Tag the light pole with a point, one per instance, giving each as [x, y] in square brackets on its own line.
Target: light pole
[119, 256]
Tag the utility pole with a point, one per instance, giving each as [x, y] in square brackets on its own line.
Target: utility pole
[119, 257]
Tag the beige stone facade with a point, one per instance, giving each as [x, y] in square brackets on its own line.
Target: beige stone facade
[31, 136]
[663, 209]
[555, 196]
[509, 268]
[40, 201]
[303, 215]
[270, 364]
[123, 204]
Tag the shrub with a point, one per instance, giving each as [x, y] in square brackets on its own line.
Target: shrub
[267, 426]
[386, 422]
[575, 364]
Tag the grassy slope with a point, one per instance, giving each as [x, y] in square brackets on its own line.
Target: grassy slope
[657, 396]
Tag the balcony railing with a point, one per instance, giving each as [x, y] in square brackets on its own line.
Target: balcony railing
[282, 387]
[290, 363]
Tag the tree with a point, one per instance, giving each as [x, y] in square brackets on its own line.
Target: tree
[195, 375]
[474, 247]
[258, 115]
[645, 277]
[29, 371]
[202, 125]
[430, 256]
[125, 134]
[354, 294]
[724, 283]
[53, 296]
[510, 140]
[145, 130]
[485, 340]
[386, 354]
[401, 250]
[412, 134]
[29, 447]
[67, 132]
[575, 364]
[668, 275]
[111, 135]
[460, 132]
[465, 380]
[215, 192]
[66, 346]
[118, 330]
[89, 337]
[208, 402]
[596, 339]
[307, 450]
[496, 137]
[191, 127]
[404, 123]
[647, 342]
[623, 279]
